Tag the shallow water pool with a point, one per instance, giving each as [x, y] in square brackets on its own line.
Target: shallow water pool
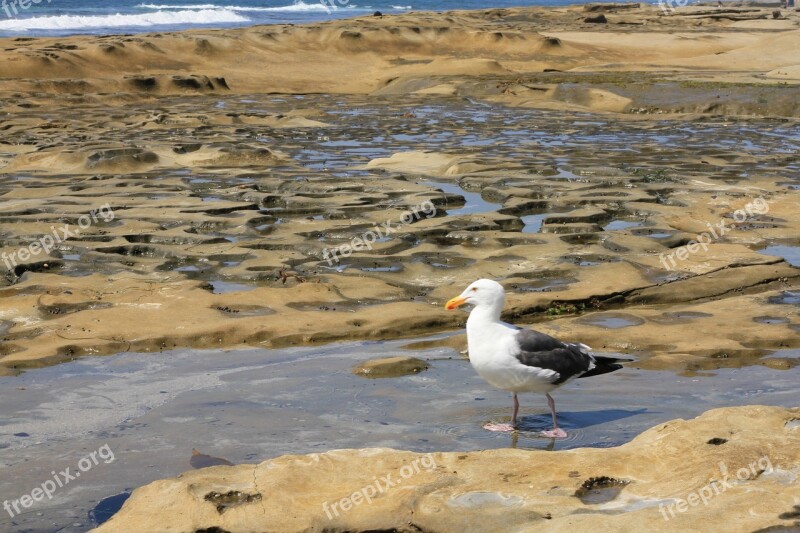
[251, 405]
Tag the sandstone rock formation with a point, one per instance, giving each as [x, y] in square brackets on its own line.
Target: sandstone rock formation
[734, 467]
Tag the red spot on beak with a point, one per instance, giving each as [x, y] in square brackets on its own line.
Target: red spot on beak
[455, 302]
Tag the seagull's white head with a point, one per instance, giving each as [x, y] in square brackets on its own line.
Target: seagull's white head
[484, 292]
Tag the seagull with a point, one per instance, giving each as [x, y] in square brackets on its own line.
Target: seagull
[521, 360]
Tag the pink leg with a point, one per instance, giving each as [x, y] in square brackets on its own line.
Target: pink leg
[556, 432]
[516, 410]
[506, 427]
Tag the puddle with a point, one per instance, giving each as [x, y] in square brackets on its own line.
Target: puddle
[790, 254]
[474, 202]
[108, 507]
[786, 297]
[153, 409]
[611, 320]
[390, 268]
[533, 223]
[599, 490]
[492, 500]
[791, 353]
[225, 287]
[620, 225]
[542, 285]
[564, 174]
[771, 320]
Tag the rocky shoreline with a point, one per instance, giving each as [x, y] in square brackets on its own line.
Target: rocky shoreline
[227, 196]
[733, 466]
[196, 247]
[629, 175]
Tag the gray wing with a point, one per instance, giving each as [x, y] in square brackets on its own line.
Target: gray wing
[543, 351]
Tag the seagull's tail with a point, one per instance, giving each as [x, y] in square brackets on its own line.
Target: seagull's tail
[604, 365]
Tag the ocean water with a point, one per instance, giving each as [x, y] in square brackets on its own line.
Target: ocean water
[31, 18]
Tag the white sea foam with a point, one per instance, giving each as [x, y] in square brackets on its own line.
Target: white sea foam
[156, 18]
[296, 7]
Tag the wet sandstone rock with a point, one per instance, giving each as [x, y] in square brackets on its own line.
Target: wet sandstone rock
[683, 475]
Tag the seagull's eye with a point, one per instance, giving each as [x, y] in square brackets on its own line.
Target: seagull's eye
[474, 289]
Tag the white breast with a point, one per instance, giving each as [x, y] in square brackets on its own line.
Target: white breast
[491, 349]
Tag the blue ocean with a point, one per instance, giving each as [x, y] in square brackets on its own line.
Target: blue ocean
[67, 17]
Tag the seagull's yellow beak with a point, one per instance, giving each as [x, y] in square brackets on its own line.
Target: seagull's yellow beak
[455, 302]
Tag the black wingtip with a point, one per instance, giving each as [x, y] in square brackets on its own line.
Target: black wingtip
[611, 360]
[604, 365]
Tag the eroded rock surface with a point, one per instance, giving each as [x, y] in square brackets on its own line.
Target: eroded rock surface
[361, 229]
[639, 59]
[734, 466]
